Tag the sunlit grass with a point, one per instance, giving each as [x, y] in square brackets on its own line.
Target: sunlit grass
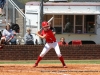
[51, 61]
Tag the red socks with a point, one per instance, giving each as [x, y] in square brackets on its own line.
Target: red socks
[62, 61]
[38, 60]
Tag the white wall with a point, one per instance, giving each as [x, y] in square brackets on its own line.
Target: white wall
[33, 19]
[70, 37]
[73, 9]
[64, 10]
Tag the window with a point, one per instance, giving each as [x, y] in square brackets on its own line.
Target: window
[68, 24]
[89, 25]
[58, 23]
[57, 20]
[78, 24]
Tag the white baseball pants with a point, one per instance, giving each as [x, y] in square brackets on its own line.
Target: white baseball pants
[48, 46]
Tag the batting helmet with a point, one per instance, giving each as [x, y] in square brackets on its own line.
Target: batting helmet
[44, 24]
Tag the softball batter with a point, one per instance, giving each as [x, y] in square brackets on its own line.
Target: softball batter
[50, 43]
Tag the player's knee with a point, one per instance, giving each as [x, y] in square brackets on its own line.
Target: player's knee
[42, 55]
[59, 55]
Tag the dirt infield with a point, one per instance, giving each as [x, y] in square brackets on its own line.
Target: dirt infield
[50, 69]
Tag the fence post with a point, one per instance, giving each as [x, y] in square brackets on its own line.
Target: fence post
[7, 4]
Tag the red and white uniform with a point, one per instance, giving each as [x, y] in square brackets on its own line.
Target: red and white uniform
[50, 43]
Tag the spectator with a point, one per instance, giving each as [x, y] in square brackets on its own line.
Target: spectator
[28, 37]
[62, 42]
[15, 27]
[2, 3]
[67, 27]
[8, 36]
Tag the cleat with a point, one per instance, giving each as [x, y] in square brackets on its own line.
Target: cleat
[65, 66]
[35, 65]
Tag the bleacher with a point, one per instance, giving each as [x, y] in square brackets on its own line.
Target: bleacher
[13, 10]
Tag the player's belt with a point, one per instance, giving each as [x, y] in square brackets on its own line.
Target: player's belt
[51, 42]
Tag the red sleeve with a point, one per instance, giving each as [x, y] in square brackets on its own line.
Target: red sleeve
[59, 43]
[66, 44]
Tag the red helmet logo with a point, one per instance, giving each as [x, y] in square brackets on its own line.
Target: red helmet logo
[44, 24]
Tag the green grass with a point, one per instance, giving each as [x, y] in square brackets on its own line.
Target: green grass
[51, 61]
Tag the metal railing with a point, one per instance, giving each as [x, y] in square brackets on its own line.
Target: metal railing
[10, 4]
[17, 8]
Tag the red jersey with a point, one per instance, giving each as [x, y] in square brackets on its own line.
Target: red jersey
[62, 43]
[50, 38]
